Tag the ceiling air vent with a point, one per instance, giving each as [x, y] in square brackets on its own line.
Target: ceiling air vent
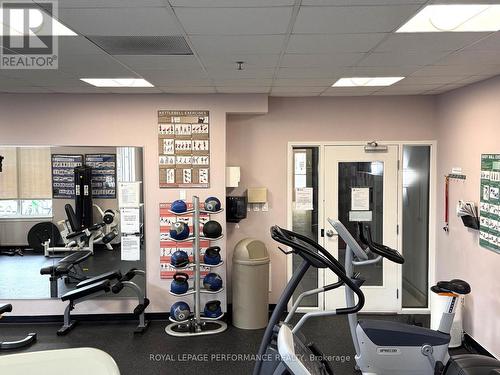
[143, 45]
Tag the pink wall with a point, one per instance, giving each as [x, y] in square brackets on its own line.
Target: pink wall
[258, 144]
[121, 120]
[469, 125]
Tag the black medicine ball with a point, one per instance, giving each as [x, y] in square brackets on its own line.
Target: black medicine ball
[212, 229]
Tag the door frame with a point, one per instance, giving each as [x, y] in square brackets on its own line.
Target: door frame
[321, 212]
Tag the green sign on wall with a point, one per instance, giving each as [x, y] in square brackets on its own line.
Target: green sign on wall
[490, 202]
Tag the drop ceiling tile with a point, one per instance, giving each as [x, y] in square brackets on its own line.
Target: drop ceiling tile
[230, 3]
[12, 81]
[293, 94]
[378, 71]
[218, 74]
[162, 62]
[188, 89]
[94, 66]
[109, 3]
[244, 82]
[26, 90]
[79, 90]
[318, 82]
[250, 61]
[395, 59]
[352, 19]
[320, 60]
[77, 45]
[120, 21]
[134, 90]
[349, 91]
[464, 69]
[164, 78]
[243, 90]
[425, 42]
[39, 77]
[491, 43]
[306, 73]
[428, 80]
[338, 43]
[398, 92]
[298, 89]
[234, 21]
[360, 2]
[237, 45]
[471, 57]
[473, 79]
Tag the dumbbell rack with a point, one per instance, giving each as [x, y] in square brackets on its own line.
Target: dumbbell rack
[196, 324]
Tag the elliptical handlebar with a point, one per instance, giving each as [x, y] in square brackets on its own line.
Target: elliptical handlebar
[301, 246]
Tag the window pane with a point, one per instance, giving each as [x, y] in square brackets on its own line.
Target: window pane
[368, 175]
[8, 208]
[36, 207]
[416, 172]
[306, 221]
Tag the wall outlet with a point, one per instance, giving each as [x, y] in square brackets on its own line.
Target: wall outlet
[182, 195]
[265, 207]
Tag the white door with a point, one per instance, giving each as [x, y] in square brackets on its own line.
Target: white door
[363, 186]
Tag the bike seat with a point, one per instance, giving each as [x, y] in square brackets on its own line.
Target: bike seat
[453, 286]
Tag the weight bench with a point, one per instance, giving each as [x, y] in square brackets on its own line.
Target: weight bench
[6, 345]
[68, 268]
[109, 282]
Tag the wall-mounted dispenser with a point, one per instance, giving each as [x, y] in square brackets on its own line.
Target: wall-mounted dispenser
[236, 209]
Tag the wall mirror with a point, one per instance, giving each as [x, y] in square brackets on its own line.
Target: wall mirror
[68, 214]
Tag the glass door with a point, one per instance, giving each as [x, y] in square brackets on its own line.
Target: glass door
[363, 186]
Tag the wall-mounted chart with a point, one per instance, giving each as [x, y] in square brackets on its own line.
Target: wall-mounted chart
[63, 175]
[103, 174]
[489, 236]
[184, 149]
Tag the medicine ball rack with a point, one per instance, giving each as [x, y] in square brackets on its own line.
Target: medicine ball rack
[197, 324]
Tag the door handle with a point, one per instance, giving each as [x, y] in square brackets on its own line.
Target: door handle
[330, 233]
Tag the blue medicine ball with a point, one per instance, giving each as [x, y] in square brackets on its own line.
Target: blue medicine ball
[212, 282]
[179, 259]
[180, 311]
[178, 206]
[212, 204]
[179, 231]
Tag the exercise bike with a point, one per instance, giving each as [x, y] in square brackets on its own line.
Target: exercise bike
[6, 345]
[393, 348]
[283, 349]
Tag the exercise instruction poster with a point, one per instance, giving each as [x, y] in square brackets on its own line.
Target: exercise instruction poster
[184, 149]
[63, 175]
[489, 235]
[103, 175]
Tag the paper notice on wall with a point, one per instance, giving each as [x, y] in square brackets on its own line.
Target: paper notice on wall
[360, 199]
[129, 194]
[130, 220]
[131, 248]
[360, 216]
[304, 199]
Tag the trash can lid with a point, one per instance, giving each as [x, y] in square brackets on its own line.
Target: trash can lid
[250, 251]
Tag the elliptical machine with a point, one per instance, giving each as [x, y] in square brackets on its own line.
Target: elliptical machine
[283, 350]
[393, 348]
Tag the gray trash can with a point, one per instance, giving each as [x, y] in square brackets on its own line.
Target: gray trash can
[250, 280]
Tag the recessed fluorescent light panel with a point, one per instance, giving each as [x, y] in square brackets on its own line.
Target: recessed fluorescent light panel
[454, 18]
[366, 81]
[16, 18]
[117, 82]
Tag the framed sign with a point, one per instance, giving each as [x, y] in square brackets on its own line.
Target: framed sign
[184, 149]
[63, 175]
[489, 231]
[103, 175]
